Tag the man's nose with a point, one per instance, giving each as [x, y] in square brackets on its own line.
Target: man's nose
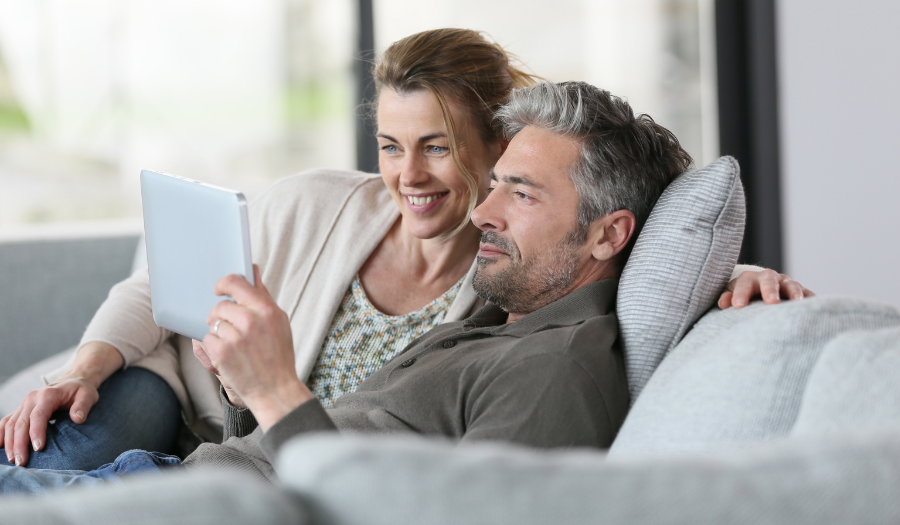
[488, 216]
[414, 171]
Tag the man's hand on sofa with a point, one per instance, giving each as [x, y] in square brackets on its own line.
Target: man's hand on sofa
[768, 284]
[76, 390]
[251, 347]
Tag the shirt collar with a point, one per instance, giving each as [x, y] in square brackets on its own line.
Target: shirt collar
[592, 300]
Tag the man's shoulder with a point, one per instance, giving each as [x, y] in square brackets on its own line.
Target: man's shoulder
[585, 340]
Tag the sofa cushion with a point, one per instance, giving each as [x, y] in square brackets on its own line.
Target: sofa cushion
[681, 261]
[360, 480]
[739, 376]
[854, 385]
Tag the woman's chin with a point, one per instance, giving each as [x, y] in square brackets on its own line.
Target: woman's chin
[426, 230]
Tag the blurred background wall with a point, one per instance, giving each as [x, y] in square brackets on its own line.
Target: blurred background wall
[243, 93]
[839, 88]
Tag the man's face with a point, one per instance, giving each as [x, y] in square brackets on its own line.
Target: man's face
[532, 250]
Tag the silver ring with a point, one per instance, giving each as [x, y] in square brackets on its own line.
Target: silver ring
[215, 329]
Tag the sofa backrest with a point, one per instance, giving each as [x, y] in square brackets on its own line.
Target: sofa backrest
[740, 376]
[50, 289]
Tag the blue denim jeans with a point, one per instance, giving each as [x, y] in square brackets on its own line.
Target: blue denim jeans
[18, 480]
[136, 410]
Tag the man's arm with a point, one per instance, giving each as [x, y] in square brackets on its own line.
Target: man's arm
[547, 400]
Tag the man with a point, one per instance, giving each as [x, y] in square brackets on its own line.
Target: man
[538, 365]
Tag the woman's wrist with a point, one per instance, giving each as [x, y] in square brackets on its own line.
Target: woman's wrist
[95, 362]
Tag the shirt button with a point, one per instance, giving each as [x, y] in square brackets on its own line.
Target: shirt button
[408, 363]
[449, 344]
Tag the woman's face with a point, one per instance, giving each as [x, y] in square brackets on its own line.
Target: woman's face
[416, 164]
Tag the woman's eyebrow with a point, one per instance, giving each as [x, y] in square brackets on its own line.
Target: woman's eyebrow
[426, 138]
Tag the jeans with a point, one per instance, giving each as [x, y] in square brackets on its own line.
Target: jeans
[18, 480]
[137, 409]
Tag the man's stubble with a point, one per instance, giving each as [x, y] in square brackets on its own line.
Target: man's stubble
[527, 285]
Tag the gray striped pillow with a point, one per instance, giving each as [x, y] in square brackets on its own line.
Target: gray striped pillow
[681, 261]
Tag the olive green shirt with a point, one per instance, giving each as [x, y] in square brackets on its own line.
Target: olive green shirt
[555, 378]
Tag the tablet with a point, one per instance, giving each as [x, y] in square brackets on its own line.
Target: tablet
[196, 233]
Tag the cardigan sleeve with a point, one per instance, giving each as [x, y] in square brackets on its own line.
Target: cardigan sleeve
[125, 320]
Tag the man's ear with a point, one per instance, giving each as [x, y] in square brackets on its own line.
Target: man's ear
[610, 234]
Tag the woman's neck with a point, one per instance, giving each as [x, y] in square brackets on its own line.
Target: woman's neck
[428, 259]
[405, 273]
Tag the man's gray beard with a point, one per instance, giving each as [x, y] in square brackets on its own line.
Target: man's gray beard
[525, 286]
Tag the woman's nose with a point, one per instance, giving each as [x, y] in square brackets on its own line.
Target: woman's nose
[413, 172]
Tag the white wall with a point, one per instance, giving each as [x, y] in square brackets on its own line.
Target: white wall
[839, 67]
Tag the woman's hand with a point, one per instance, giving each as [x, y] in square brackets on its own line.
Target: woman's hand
[251, 349]
[200, 354]
[76, 391]
[769, 284]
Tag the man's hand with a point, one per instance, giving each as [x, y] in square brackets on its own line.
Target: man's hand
[200, 354]
[76, 390]
[769, 284]
[251, 348]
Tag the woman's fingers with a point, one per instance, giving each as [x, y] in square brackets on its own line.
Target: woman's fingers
[725, 299]
[770, 286]
[40, 417]
[85, 398]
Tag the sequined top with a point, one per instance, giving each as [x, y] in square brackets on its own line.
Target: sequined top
[362, 339]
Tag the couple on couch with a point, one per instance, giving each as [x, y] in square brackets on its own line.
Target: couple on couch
[370, 316]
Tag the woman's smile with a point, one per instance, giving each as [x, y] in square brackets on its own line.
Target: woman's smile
[425, 202]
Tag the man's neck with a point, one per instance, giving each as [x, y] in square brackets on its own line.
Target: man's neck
[607, 272]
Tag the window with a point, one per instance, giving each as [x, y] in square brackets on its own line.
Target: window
[230, 92]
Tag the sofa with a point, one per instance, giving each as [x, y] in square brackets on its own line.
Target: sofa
[784, 413]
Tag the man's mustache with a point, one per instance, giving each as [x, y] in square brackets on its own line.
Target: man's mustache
[500, 242]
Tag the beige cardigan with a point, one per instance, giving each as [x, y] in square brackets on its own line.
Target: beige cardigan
[310, 234]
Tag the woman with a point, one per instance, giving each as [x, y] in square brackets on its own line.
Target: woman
[361, 265]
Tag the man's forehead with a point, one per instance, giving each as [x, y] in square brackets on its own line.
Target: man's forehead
[536, 157]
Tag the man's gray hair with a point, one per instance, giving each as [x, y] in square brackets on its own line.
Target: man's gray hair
[626, 161]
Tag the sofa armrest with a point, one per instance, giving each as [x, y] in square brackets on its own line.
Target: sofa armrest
[168, 498]
[50, 289]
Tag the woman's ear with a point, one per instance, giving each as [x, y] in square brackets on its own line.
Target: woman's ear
[504, 143]
[611, 234]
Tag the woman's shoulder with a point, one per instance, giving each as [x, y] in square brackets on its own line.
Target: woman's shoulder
[320, 190]
[321, 180]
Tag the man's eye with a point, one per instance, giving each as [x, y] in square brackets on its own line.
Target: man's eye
[490, 189]
[523, 196]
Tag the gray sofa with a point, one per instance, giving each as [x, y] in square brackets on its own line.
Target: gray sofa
[768, 414]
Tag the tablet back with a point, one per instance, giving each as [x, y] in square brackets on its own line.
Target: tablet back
[196, 233]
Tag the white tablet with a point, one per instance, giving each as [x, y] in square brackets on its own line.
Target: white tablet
[196, 233]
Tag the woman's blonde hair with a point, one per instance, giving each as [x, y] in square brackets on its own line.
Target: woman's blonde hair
[463, 66]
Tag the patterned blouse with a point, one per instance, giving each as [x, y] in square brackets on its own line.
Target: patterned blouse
[361, 340]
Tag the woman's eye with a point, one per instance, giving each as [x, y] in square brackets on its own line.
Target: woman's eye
[389, 148]
[437, 149]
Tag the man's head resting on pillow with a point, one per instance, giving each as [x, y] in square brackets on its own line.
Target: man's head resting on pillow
[568, 197]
